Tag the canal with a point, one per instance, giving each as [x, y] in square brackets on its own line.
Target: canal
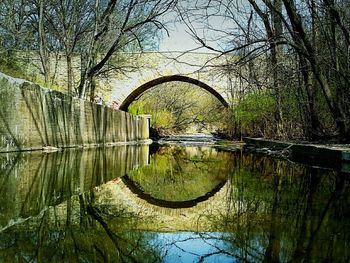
[152, 203]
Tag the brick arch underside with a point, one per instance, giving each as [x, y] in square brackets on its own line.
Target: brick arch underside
[137, 92]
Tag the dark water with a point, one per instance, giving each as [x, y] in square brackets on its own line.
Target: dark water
[170, 204]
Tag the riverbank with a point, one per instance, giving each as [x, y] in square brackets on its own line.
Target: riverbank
[333, 156]
[199, 140]
[328, 156]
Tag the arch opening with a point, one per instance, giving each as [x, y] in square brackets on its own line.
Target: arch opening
[148, 85]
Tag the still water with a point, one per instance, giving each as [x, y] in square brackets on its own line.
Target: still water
[170, 204]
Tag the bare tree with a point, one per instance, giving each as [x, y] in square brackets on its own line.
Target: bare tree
[290, 34]
[94, 29]
[118, 25]
[69, 22]
[43, 46]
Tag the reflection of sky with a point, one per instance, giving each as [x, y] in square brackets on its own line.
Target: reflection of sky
[191, 246]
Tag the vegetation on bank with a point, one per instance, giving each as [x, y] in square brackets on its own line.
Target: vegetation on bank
[11, 66]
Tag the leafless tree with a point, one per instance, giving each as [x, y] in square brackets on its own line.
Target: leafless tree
[117, 25]
[286, 38]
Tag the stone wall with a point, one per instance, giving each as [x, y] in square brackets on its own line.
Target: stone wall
[33, 118]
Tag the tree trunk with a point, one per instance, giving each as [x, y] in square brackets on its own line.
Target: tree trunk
[276, 55]
[338, 116]
[274, 31]
[43, 49]
[272, 252]
[314, 130]
[70, 74]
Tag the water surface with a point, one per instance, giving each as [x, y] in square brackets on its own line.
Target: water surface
[170, 204]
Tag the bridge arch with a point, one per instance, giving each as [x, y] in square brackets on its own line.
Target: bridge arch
[150, 84]
[135, 188]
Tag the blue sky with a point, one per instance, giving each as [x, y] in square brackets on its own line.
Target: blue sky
[178, 40]
[216, 22]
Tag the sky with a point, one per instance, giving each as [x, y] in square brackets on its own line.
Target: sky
[224, 19]
[178, 39]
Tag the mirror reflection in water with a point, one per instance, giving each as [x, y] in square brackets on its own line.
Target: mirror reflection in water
[170, 204]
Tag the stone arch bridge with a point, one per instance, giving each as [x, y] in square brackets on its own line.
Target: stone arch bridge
[150, 69]
[142, 71]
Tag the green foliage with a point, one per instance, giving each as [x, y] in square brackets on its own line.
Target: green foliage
[256, 108]
[181, 174]
[137, 107]
[19, 64]
[177, 107]
[11, 65]
[162, 119]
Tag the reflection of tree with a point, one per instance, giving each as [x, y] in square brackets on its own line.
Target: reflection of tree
[47, 219]
[282, 212]
[130, 247]
[77, 232]
[276, 211]
[311, 226]
[182, 174]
